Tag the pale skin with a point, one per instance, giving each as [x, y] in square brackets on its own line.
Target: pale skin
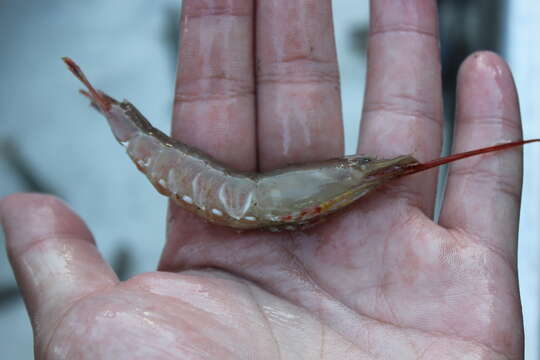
[379, 281]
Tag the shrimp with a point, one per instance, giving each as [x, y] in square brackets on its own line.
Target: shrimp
[285, 199]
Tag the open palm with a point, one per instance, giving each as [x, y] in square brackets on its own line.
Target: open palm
[380, 281]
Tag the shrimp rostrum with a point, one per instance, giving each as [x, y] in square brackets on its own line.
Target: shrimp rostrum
[286, 198]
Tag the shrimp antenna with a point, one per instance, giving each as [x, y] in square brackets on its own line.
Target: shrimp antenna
[445, 160]
[98, 99]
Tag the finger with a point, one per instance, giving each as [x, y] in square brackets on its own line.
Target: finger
[403, 103]
[298, 104]
[483, 193]
[214, 107]
[53, 256]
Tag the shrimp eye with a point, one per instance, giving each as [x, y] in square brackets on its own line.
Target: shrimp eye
[365, 160]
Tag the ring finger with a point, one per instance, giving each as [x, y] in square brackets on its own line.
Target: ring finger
[403, 104]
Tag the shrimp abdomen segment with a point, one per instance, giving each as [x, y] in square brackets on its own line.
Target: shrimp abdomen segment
[196, 183]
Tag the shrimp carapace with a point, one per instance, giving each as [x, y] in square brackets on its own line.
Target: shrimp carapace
[284, 199]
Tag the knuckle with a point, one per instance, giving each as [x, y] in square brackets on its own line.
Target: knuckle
[213, 88]
[495, 121]
[298, 70]
[197, 8]
[406, 106]
[397, 29]
[502, 183]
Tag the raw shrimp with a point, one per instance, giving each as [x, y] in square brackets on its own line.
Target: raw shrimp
[284, 199]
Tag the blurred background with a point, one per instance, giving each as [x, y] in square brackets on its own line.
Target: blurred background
[52, 141]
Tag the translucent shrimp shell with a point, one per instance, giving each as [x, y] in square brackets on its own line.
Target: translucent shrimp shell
[283, 199]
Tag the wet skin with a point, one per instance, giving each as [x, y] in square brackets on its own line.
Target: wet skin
[381, 281]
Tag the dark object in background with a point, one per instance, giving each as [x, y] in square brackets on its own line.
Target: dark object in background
[9, 294]
[171, 29]
[30, 179]
[466, 26]
[122, 262]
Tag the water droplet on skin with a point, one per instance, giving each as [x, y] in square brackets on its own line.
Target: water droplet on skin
[109, 314]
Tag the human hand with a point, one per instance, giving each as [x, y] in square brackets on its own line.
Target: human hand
[381, 280]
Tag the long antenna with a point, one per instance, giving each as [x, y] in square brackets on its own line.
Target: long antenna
[445, 160]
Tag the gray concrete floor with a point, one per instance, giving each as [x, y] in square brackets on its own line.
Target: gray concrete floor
[128, 48]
